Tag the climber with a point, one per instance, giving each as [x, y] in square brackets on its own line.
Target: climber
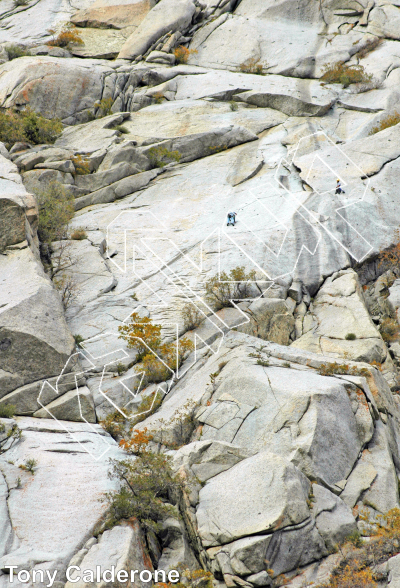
[339, 188]
[231, 219]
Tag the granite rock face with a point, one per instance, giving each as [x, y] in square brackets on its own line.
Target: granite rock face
[284, 421]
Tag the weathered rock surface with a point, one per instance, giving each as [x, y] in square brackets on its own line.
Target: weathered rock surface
[64, 88]
[167, 15]
[36, 342]
[115, 14]
[339, 323]
[282, 427]
[59, 524]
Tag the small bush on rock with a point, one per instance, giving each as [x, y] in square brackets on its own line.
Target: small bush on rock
[159, 360]
[13, 435]
[192, 317]
[222, 290]
[122, 129]
[79, 234]
[161, 156]
[78, 341]
[389, 329]
[158, 97]
[252, 66]
[56, 209]
[15, 51]
[340, 73]
[67, 37]
[28, 127]
[29, 465]
[81, 165]
[104, 107]
[389, 121]
[350, 337]
[146, 483]
[149, 405]
[370, 46]
[182, 54]
[7, 411]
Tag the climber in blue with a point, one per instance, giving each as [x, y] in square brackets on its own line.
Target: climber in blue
[231, 219]
[339, 189]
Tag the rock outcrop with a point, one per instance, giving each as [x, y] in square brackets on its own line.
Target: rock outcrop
[284, 420]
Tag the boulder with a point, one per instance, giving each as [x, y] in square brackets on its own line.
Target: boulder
[93, 136]
[291, 96]
[161, 57]
[384, 21]
[115, 14]
[178, 118]
[265, 492]
[6, 531]
[264, 30]
[118, 190]
[383, 493]
[38, 180]
[66, 88]
[18, 211]
[270, 319]
[393, 566]
[333, 518]
[269, 555]
[166, 16]
[35, 339]
[76, 405]
[122, 547]
[353, 335]
[30, 24]
[25, 399]
[93, 182]
[208, 458]
[176, 548]
[100, 43]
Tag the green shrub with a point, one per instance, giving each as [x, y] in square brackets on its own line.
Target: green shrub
[13, 435]
[389, 329]
[114, 423]
[121, 368]
[29, 465]
[28, 126]
[148, 406]
[15, 51]
[220, 291]
[340, 73]
[233, 105]
[161, 156]
[56, 209]
[78, 341]
[104, 107]
[7, 411]
[192, 317]
[350, 337]
[122, 129]
[21, 2]
[146, 483]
